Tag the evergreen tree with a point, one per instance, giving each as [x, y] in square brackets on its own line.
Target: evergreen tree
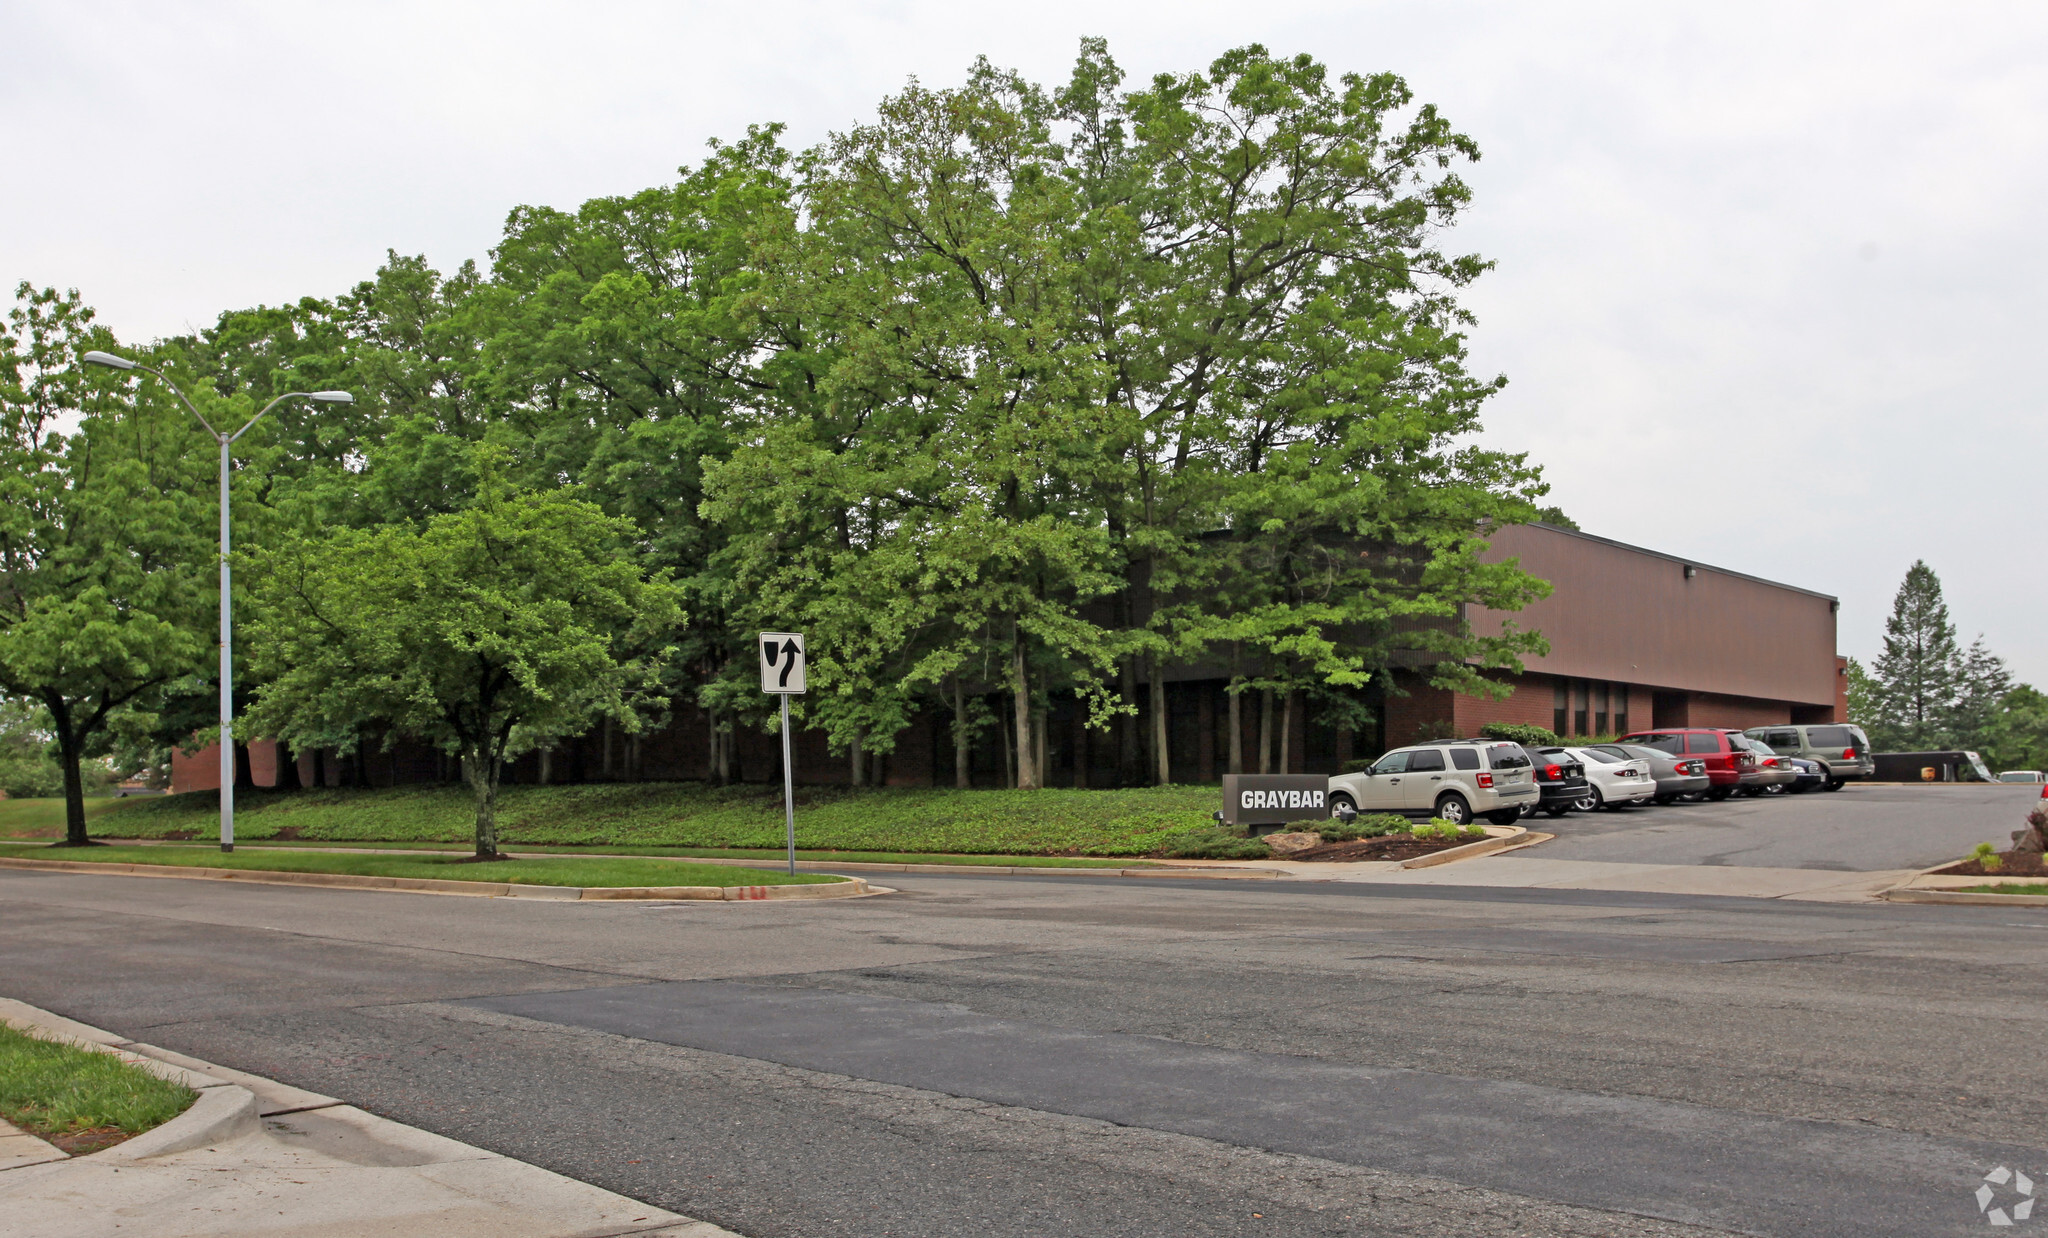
[1917, 674]
[1982, 684]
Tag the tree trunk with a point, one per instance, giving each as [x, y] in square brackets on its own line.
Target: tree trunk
[287, 769]
[1265, 730]
[963, 775]
[858, 767]
[1041, 747]
[547, 766]
[482, 773]
[1027, 767]
[70, 750]
[1236, 732]
[1080, 743]
[320, 768]
[1009, 747]
[244, 780]
[1286, 760]
[1162, 767]
[1127, 762]
[607, 749]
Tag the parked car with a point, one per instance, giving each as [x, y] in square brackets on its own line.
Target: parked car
[1611, 781]
[1452, 779]
[1843, 751]
[1677, 777]
[1726, 762]
[1809, 775]
[2020, 775]
[1560, 782]
[1772, 774]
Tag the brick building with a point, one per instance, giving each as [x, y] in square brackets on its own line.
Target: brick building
[1638, 639]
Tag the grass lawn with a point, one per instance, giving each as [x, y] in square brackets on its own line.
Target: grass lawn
[545, 872]
[45, 818]
[2030, 888]
[894, 821]
[54, 1090]
[776, 854]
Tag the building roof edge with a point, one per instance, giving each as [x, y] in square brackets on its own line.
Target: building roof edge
[1683, 562]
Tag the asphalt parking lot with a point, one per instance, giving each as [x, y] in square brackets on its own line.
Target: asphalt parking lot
[1856, 829]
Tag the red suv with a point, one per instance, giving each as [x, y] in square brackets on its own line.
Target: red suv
[1726, 763]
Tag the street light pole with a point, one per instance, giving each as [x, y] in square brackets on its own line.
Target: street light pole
[227, 618]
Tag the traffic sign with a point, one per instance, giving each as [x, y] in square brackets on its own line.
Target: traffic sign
[782, 663]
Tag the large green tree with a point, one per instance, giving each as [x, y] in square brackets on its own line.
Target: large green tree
[489, 631]
[1190, 350]
[1917, 676]
[105, 539]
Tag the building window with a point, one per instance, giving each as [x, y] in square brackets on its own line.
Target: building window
[1600, 709]
[1579, 693]
[1558, 706]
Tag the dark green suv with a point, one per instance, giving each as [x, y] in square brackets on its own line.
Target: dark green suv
[1842, 751]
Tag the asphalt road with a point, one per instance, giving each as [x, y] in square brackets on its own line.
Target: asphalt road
[1050, 1056]
[1859, 828]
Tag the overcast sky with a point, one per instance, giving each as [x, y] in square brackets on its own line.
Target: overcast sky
[1769, 285]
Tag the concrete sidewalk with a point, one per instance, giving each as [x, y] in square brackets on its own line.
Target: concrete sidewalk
[256, 1157]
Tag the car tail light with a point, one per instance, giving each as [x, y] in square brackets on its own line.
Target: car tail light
[1848, 754]
[1552, 773]
[1484, 779]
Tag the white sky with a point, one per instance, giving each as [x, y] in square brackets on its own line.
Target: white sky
[1769, 284]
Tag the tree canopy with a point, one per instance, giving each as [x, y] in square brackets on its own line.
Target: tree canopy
[1009, 390]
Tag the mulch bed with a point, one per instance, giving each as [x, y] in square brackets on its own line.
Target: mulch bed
[2014, 864]
[1377, 849]
[87, 1142]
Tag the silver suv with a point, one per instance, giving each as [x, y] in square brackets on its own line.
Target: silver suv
[1455, 779]
[1843, 752]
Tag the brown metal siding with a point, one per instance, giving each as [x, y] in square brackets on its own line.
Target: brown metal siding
[1619, 613]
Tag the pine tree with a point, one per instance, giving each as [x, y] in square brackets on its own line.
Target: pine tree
[1982, 682]
[1917, 674]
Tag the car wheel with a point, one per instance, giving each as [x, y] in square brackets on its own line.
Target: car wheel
[1506, 816]
[1452, 807]
[1833, 784]
[1341, 800]
[1558, 811]
[1774, 789]
[1591, 800]
[1718, 794]
[1663, 799]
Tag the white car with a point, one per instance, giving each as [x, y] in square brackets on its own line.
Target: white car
[1612, 781]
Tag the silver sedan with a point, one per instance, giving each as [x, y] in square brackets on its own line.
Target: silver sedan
[1678, 777]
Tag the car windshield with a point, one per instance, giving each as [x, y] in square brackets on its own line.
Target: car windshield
[1603, 757]
[1507, 756]
[1830, 737]
[1663, 743]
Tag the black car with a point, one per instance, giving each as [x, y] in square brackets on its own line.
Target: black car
[1561, 783]
[1811, 774]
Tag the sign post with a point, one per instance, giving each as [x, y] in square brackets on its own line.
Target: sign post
[782, 674]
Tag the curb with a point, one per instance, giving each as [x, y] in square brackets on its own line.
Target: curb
[1902, 894]
[1470, 851]
[852, 887]
[1162, 868]
[222, 1111]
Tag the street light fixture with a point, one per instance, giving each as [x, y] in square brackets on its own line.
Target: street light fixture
[227, 622]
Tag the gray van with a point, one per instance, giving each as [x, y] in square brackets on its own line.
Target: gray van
[1842, 751]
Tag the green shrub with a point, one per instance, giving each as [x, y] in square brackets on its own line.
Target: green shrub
[1527, 736]
[1214, 843]
[1987, 856]
[1358, 766]
[1372, 825]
